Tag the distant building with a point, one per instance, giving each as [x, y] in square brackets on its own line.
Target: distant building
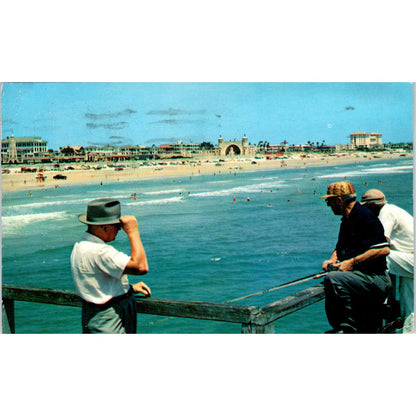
[234, 147]
[186, 149]
[366, 140]
[22, 147]
[343, 147]
[167, 150]
[276, 149]
[135, 152]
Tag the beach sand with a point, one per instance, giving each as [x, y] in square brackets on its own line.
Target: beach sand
[16, 180]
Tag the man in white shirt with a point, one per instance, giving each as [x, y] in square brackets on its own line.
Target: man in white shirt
[398, 229]
[99, 271]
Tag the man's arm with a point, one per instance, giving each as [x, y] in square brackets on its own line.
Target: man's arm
[373, 243]
[369, 255]
[137, 264]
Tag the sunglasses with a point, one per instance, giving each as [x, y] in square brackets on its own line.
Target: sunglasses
[330, 201]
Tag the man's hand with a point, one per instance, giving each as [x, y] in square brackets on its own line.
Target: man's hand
[129, 223]
[141, 288]
[345, 266]
[326, 263]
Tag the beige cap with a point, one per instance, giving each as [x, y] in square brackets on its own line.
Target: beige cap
[339, 189]
[373, 195]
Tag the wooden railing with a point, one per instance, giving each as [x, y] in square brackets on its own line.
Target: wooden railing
[254, 319]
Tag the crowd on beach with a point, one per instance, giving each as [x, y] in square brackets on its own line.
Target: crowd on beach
[14, 179]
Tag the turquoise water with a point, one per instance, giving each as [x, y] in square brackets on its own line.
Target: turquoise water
[200, 244]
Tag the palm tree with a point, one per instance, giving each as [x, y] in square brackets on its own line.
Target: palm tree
[206, 145]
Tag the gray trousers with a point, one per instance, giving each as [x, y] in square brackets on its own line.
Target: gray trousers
[354, 300]
[117, 318]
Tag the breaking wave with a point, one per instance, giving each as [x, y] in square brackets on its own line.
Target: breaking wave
[12, 223]
[379, 170]
[164, 192]
[156, 201]
[260, 187]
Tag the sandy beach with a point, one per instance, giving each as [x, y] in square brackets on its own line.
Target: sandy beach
[134, 170]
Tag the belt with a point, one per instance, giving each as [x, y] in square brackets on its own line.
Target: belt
[112, 301]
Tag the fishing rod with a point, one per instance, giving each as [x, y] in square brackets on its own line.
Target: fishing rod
[283, 285]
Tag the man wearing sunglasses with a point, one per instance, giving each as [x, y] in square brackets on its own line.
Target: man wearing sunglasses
[99, 271]
[357, 283]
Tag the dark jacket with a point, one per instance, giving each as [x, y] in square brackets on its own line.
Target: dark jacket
[359, 232]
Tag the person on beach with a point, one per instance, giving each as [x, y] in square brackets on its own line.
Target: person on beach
[357, 283]
[398, 229]
[99, 271]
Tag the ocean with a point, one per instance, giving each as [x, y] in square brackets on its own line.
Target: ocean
[208, 238]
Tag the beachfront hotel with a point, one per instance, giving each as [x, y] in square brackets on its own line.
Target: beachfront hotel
[15, 148]
[366, 140]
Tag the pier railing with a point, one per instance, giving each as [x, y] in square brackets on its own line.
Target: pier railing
[253, 319]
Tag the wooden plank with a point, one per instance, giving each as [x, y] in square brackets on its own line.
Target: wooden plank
[293, 303]
[254, 317]
[197, 310]
[41, 295]
[153, 306]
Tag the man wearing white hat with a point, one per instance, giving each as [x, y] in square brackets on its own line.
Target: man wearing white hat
[99, 271]
[357, 283]
[398, 229]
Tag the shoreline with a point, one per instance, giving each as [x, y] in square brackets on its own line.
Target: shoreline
[16, 180]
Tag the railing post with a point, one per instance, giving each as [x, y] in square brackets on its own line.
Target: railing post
[8, 316]
[251, 328]
[258, 324]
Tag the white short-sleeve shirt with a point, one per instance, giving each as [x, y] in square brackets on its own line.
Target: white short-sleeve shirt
[398, 227]
[97, 270]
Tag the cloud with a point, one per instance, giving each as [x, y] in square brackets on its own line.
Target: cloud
[119, 142]
[174, 112]
[174, 121]
[104, 116]
[170, 140]
[9, 121]
[111, 126]
[111, 143]
[116, 125]
[91, 143]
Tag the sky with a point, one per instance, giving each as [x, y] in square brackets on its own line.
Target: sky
[64, 113]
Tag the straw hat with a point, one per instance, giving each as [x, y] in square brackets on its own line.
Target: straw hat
[373, 195]
[342, 189]
[101, 211]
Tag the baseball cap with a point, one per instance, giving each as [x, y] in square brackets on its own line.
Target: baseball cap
[342, 189]
[373, 195]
